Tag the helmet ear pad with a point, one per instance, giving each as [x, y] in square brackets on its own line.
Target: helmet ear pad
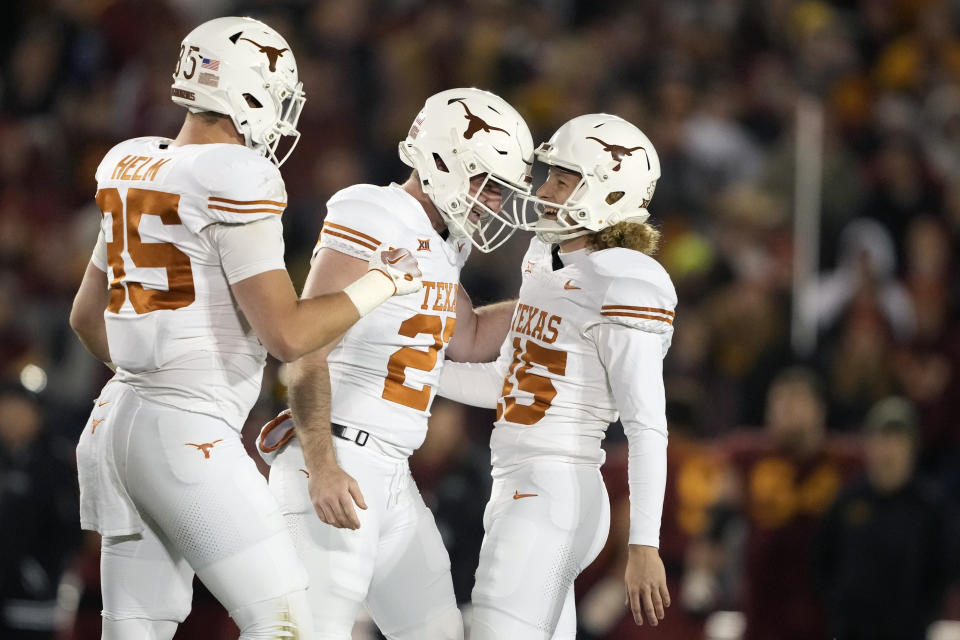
[415, 157]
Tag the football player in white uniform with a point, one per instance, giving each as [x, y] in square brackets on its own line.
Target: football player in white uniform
[593, 323]
[471, 153]
[187, 274]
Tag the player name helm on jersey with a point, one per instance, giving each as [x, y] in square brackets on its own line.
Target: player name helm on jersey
[619, 169]
[471, 132]
[242, 68]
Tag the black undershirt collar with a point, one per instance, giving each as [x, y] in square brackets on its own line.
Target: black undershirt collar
[557, 262]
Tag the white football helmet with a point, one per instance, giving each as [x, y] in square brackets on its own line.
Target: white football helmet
[618, 169]
[242, 68]
[461, 133]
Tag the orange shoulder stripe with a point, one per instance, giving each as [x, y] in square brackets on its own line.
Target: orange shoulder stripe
[353, 231]
[232, 210]
[330, 232]
[636, 315]
[623, 307]
[245, 202]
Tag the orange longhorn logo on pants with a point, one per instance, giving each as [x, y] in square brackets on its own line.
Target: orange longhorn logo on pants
[205, 447]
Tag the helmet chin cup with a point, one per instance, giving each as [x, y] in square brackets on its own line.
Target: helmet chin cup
[559, 234]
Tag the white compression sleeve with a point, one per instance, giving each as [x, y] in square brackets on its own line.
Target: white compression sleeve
[474, 383]
[634, 363]
[248, 249]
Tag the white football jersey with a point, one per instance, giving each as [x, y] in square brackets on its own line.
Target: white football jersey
[556, 401]
[174, 330]
[384, 372]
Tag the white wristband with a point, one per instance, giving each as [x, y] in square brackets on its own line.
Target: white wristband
[370, 291]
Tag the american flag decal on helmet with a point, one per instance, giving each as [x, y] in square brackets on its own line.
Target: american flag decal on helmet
[209, 63]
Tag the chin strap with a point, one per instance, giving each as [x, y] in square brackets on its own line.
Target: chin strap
[555, 235]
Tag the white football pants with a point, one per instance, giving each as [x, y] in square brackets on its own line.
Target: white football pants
[202, 507]
[395, 564]
[545, 523]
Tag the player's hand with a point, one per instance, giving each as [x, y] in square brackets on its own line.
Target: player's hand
[333, 492]
[401, 267]
[646, 584]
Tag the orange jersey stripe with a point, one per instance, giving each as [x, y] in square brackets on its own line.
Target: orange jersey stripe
[636, 315]
[242, 202]
[231, 210]
[354, 232]
[346, 237]
[623, 307]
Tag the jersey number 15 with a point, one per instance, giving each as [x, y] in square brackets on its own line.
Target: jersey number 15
[553, 360]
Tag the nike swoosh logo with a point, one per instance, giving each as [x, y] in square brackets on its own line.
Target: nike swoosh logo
[517, 495]
[569, 285]
[100, 404]
[395, 260]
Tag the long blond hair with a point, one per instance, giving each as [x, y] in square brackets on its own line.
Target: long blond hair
[639, 236]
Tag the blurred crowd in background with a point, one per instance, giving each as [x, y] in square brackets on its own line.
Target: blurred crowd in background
[813, 493]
